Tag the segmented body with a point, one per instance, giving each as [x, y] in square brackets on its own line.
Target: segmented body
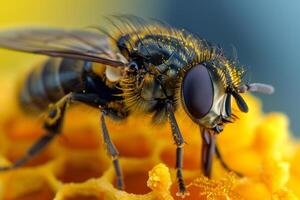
[161, 56]
[50, 81]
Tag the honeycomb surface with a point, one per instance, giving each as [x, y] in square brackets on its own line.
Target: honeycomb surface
[75, 165]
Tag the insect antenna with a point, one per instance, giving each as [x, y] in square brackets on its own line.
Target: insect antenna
[242, 105]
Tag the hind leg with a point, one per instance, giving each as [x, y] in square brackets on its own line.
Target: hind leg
[53, 123]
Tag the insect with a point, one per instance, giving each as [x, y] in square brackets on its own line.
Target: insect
[134, 66]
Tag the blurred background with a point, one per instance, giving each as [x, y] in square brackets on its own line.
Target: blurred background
[265, 34]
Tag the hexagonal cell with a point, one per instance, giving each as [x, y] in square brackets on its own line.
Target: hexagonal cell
[26, 185]
[22, 128]
[45, 193]
[83, 137]
[81, 168]
[133, 145]
[81, 128]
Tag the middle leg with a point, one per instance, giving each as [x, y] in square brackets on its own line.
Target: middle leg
[95, 101]
[112, 150]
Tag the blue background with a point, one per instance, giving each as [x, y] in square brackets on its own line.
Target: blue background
[266, 35]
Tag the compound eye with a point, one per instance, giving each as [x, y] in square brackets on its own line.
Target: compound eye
[197, 91]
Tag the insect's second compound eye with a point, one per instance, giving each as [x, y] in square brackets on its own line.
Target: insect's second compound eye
[197, 91]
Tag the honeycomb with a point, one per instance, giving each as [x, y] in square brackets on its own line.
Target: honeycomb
[75, 166]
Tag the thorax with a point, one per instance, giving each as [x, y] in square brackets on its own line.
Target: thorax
[158, 61]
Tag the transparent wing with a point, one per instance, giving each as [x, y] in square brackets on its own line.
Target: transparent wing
[77, 44]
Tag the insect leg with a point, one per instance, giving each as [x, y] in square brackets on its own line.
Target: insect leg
[52, 124]
[223, 163]
[179, 141]
[208, 151]
[96, 101]
[112, 150]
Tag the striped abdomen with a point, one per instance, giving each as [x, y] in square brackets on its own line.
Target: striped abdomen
[49, 82]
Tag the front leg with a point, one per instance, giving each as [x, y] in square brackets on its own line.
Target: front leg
[208, 150]
[179, 141]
